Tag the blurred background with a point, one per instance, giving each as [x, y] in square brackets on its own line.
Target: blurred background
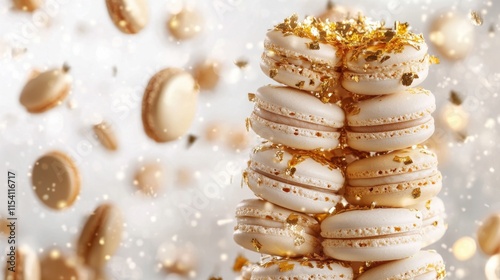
[193, 211]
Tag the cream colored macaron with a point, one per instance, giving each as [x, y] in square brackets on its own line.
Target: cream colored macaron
[301, 61]
[433, 224]
[391, 122]
[269, 229]
[27, 5]
[299, 180]
[390, 61]
[24, 266]
[169, 104]
[488, 234]
[397, 179]
[129, 16]
[46, 90]
[100, 236]
[57, 264]
[185, 24]
[302, 269]
[56, 180]
[424, 265]
[380, 234]
[291, 117]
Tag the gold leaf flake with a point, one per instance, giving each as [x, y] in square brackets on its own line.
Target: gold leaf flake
[475, 18]
[273, 72]
[406, 160]
[256, 244]
[191, 139]
[355, 78]
[244, 178]
[433, 59]
[251, 97]
[435, 223]
[407, 78]
[314, 45]
[292, 219]
[384, 58]
[300, 84]
[290, 171]
[455, 98]
[285, 266]
[278, 156]
[416, 193]
[241, 63]
[239, 262]
[248, 124]
[428, 204]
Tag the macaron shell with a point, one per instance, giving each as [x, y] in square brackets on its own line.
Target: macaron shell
[45, 91]
[276, 241]
[422, 264]
[488, 235]
[295, 137]
[400, 162]
[297, 104]
[371, 223]
[406, 105]
[390, 140]
[433, 225]
[293, 76]
[373, 249]
[290, 196]
[308, 171]
[169, 104]
[129, 16]
[295, 46]
[395, 195]
[302, 270]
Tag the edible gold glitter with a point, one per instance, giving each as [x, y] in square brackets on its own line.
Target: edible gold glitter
[455, 98]
[239, 262]
[290, 171]
[251, 97]
[66, 68]
[416, 193]
[292, 219]
[244, 178]
[384, 58]
[256, 244]
[407, 78]
[406, 160]
[476, 18]
[278, 156]
[435, 223]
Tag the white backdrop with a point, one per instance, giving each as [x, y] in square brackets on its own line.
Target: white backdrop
[81, 34]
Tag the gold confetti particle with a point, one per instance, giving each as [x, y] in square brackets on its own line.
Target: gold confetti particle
[251, 97]
[256, 244]
[406, 160]
[191, 140]
[241, 63]
[416, 193]
[285, 266]
[434, 59]
[248, 124]
[292, 219]
[290, 171]
[384, 58]
[239, 262]
[435, 223]
[314, 45]
[407, 78]
[476, 18]
[66, 68]
[273, 72]
[455, 98]
[278, 156]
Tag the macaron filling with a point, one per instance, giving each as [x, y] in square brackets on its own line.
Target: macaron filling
[284, 120]
[392, 126]
[394, 179]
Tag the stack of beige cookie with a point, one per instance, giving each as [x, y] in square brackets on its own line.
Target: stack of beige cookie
[343, 178]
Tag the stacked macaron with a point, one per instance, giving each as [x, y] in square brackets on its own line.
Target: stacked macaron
[341, 176]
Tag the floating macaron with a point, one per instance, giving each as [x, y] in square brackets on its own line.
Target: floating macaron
[390, 122]
[488, 234]
[390, 61]
[299, 180]
[302, 269]
[424, 265]
[294, 118]
[169, 104]
[269, 229]
[397, 179]
[380, 234]
[299, 58]
[433, 225]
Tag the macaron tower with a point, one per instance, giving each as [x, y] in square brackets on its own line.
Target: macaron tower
[344, 185]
